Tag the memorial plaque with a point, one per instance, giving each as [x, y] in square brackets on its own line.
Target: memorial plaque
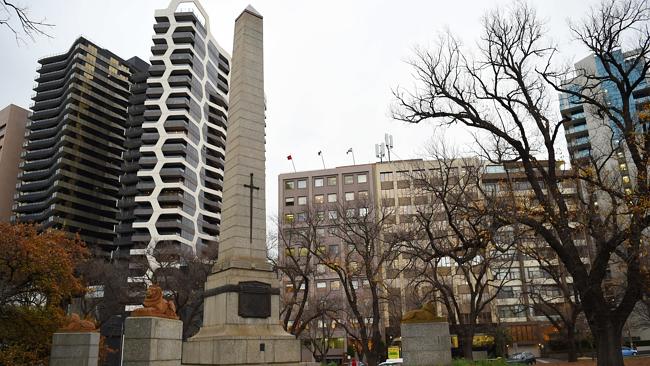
[254, 300]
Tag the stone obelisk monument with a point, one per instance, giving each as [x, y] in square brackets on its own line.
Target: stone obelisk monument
[241, 311]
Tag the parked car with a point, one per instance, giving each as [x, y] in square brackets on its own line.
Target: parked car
[392, 362]
[522, 357]
[627, 351]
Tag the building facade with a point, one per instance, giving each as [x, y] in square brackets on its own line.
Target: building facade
[13, 120]
[395, 188]
[591, 136]
[315, 195]
[74, 143]
[177, 199]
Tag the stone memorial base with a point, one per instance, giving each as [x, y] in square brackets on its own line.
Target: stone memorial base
[75, 349]
[150, 341]
[426, 344]
[226, 338]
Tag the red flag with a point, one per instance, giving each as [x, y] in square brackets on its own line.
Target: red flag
[289, 157]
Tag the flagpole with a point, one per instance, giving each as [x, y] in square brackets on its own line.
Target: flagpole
[320, 153]
[354, 161]
[294, 165]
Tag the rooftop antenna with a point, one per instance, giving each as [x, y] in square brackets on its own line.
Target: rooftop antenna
[380, 151]
[388, 140]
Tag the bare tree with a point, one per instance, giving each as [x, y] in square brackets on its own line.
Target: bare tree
[182, 275]
[463, 253]
[297, 263]
[369, 242]
[18, 20]
[552, 294]
[503, 95]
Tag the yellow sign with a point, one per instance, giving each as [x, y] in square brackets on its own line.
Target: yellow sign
[393, 352]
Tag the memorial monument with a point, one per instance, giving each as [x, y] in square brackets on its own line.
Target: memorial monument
[241, 310]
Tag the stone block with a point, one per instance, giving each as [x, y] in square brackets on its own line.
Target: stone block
[75, 349]
[150, 341]
[426, 344]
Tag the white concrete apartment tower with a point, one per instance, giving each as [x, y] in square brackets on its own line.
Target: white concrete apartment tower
[180, 178]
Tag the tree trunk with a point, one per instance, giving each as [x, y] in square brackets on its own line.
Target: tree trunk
[571, 341]
[466, 343]
[608, 341]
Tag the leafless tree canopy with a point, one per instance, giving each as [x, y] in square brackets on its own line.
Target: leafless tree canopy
[18, 20]
[504, 94]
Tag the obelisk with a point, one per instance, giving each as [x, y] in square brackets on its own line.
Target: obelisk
[241, 310]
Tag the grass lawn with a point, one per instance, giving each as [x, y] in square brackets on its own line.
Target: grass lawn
[629, 361]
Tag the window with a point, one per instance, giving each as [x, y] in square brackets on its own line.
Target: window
[332, 215]
[363, 195]
[320, 215]
[335, 285]
[622, 166]
[318, 182]
[362, 178]
[320, 231]
[288, 201]
[302, 217]
[289, 184]
[348, 179]
[403, 175]
[355, 284]
[495, 169]
[288, 218]
[511, 311]
[445, 262]
[302, 183]
[386, 176]
[321, 268]
[350, 212]
[321, 284]
[626, 179]
[363, 211]
[331, 197]
[509, 292]
[331, 181]
[349, 196]
[302, 200]
[334, 250]
[319, 198]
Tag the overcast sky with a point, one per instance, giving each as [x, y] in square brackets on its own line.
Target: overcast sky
[329, 65]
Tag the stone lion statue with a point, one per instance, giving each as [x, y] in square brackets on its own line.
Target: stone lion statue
[155, 305]
[76, 324]
[426, 314]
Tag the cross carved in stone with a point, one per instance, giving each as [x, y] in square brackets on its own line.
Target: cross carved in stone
[251, 187]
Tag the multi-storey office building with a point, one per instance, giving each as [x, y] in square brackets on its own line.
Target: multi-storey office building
[591, 136]
[183, 137]
[318, 194]
[393, 187]
[75, 139]
[12, 134]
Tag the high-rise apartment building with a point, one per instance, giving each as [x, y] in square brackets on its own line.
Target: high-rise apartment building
[12, 133]
[73, 148]
[181, 157]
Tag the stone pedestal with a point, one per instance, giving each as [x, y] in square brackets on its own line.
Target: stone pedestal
[75, 349]
[150, 341]
[426, 344]
[227, 338]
